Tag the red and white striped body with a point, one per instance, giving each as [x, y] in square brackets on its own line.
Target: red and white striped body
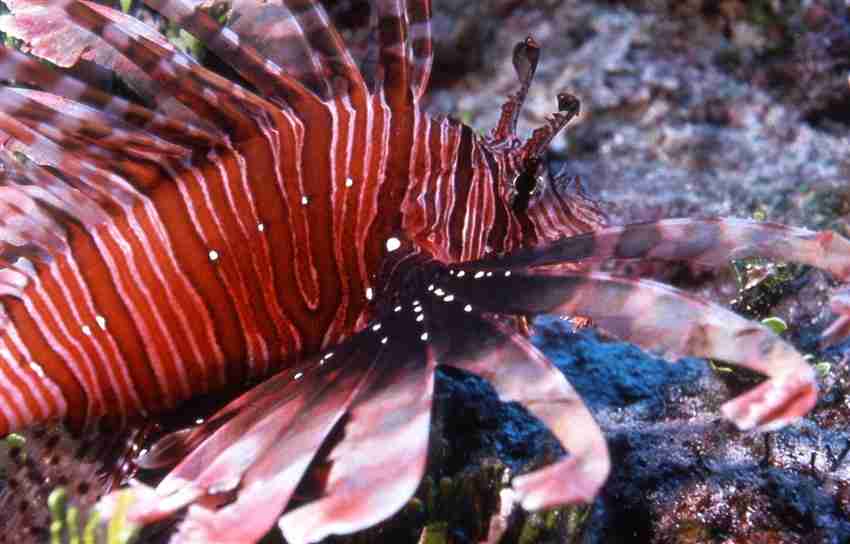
[250, 257]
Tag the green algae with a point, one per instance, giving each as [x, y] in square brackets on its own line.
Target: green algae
[71, 524]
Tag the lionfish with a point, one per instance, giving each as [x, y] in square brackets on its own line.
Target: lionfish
[306, 222]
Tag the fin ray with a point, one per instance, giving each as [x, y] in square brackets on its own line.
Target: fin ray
[519, 372]
[271, 79]
[668, 322]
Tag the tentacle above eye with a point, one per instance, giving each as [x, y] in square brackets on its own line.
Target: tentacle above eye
[525, 58]
[663, 320]
[568, 109]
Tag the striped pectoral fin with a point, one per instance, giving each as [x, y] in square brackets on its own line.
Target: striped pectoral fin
[709, 242]
[270, 433]
[261, 446]
[705, 242]
[519, 372]
[379, 460]
[666, 321]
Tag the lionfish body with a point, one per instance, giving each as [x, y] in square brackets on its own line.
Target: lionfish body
[320, 226]
[252, 252]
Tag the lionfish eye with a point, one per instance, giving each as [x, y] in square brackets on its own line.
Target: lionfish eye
[525, 186]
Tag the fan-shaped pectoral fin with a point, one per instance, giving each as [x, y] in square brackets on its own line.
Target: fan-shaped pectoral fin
[376, 466]
[707, 242]
[519, 372]
[371, 396]
[258, 448]
[663, 320]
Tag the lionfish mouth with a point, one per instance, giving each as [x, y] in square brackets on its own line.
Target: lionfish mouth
[320, 234]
